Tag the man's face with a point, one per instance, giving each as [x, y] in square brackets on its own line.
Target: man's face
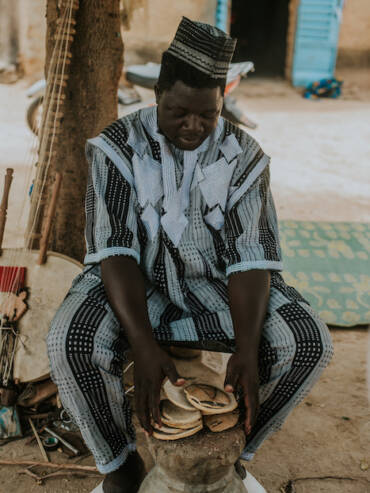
[187, 115]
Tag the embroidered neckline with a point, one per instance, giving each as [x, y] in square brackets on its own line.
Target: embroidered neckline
[176, 198]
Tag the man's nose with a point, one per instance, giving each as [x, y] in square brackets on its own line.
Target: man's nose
[192, 124]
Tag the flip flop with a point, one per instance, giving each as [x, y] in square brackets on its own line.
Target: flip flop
[209, 399]
[176, 417]
[252, 485]
[98, 489]
[162, 435]
[221, 422]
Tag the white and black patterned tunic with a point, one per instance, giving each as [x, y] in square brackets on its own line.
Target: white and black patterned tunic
[190, 218]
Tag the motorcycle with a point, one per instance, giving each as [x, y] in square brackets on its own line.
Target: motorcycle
[146, 76]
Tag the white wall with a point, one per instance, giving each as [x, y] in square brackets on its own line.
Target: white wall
[354, 38]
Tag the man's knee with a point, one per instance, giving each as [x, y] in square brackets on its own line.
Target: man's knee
[83, 334]
[313, 344]
[327, 349]
[56, 345]
[64, 334]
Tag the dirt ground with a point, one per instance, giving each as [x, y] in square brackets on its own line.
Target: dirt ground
[328, 434]
[319, 153]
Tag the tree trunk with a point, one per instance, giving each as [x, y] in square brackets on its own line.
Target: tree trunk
[90, 105]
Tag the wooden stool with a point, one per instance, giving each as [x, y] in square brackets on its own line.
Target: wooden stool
[203, 463]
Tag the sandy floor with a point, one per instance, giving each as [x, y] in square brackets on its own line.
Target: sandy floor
[319, 151]
[327, 435]
[319, 171]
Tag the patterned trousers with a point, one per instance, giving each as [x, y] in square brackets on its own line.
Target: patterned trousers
[87, 348]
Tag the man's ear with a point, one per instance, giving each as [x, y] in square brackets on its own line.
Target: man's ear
[157, 93]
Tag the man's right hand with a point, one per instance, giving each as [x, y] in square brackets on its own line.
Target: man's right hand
[152, 366]
[125, 286]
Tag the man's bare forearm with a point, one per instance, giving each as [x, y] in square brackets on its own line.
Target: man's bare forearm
[125, 287]
[248, 296]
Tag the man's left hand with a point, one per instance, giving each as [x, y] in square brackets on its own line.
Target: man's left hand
[243, 372]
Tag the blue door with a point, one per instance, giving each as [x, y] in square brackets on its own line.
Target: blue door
[316, 40]
[222, 14]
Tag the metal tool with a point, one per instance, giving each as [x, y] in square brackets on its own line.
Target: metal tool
[64, 442]
[50, 443]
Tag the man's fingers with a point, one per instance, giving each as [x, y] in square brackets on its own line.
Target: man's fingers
[140, 410]
[143, 409]
[171, 372]
[231, 380]
[248, 419]
[251, 406]
[154, 406]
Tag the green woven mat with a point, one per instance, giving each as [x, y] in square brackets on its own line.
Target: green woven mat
[328, 263]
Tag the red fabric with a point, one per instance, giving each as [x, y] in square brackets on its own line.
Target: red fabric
[12, 279]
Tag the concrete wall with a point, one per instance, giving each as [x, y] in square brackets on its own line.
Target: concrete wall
[32, 33]
[23, 29]
[292, 26]
[153, 26]
[22, 36]
[354, 39]
[9, 36]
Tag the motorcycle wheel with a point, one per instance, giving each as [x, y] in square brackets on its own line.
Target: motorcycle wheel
[34, 111]
[33, 116]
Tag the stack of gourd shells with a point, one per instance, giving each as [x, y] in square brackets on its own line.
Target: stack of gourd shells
[186, 410]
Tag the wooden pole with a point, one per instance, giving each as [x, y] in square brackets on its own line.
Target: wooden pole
[4, 203]
[44, 242]
[52, 465]
[39, 442]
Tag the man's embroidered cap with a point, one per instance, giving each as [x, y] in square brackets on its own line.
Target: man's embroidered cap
[205, 47]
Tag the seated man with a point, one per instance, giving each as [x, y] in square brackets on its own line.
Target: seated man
[182, 248]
